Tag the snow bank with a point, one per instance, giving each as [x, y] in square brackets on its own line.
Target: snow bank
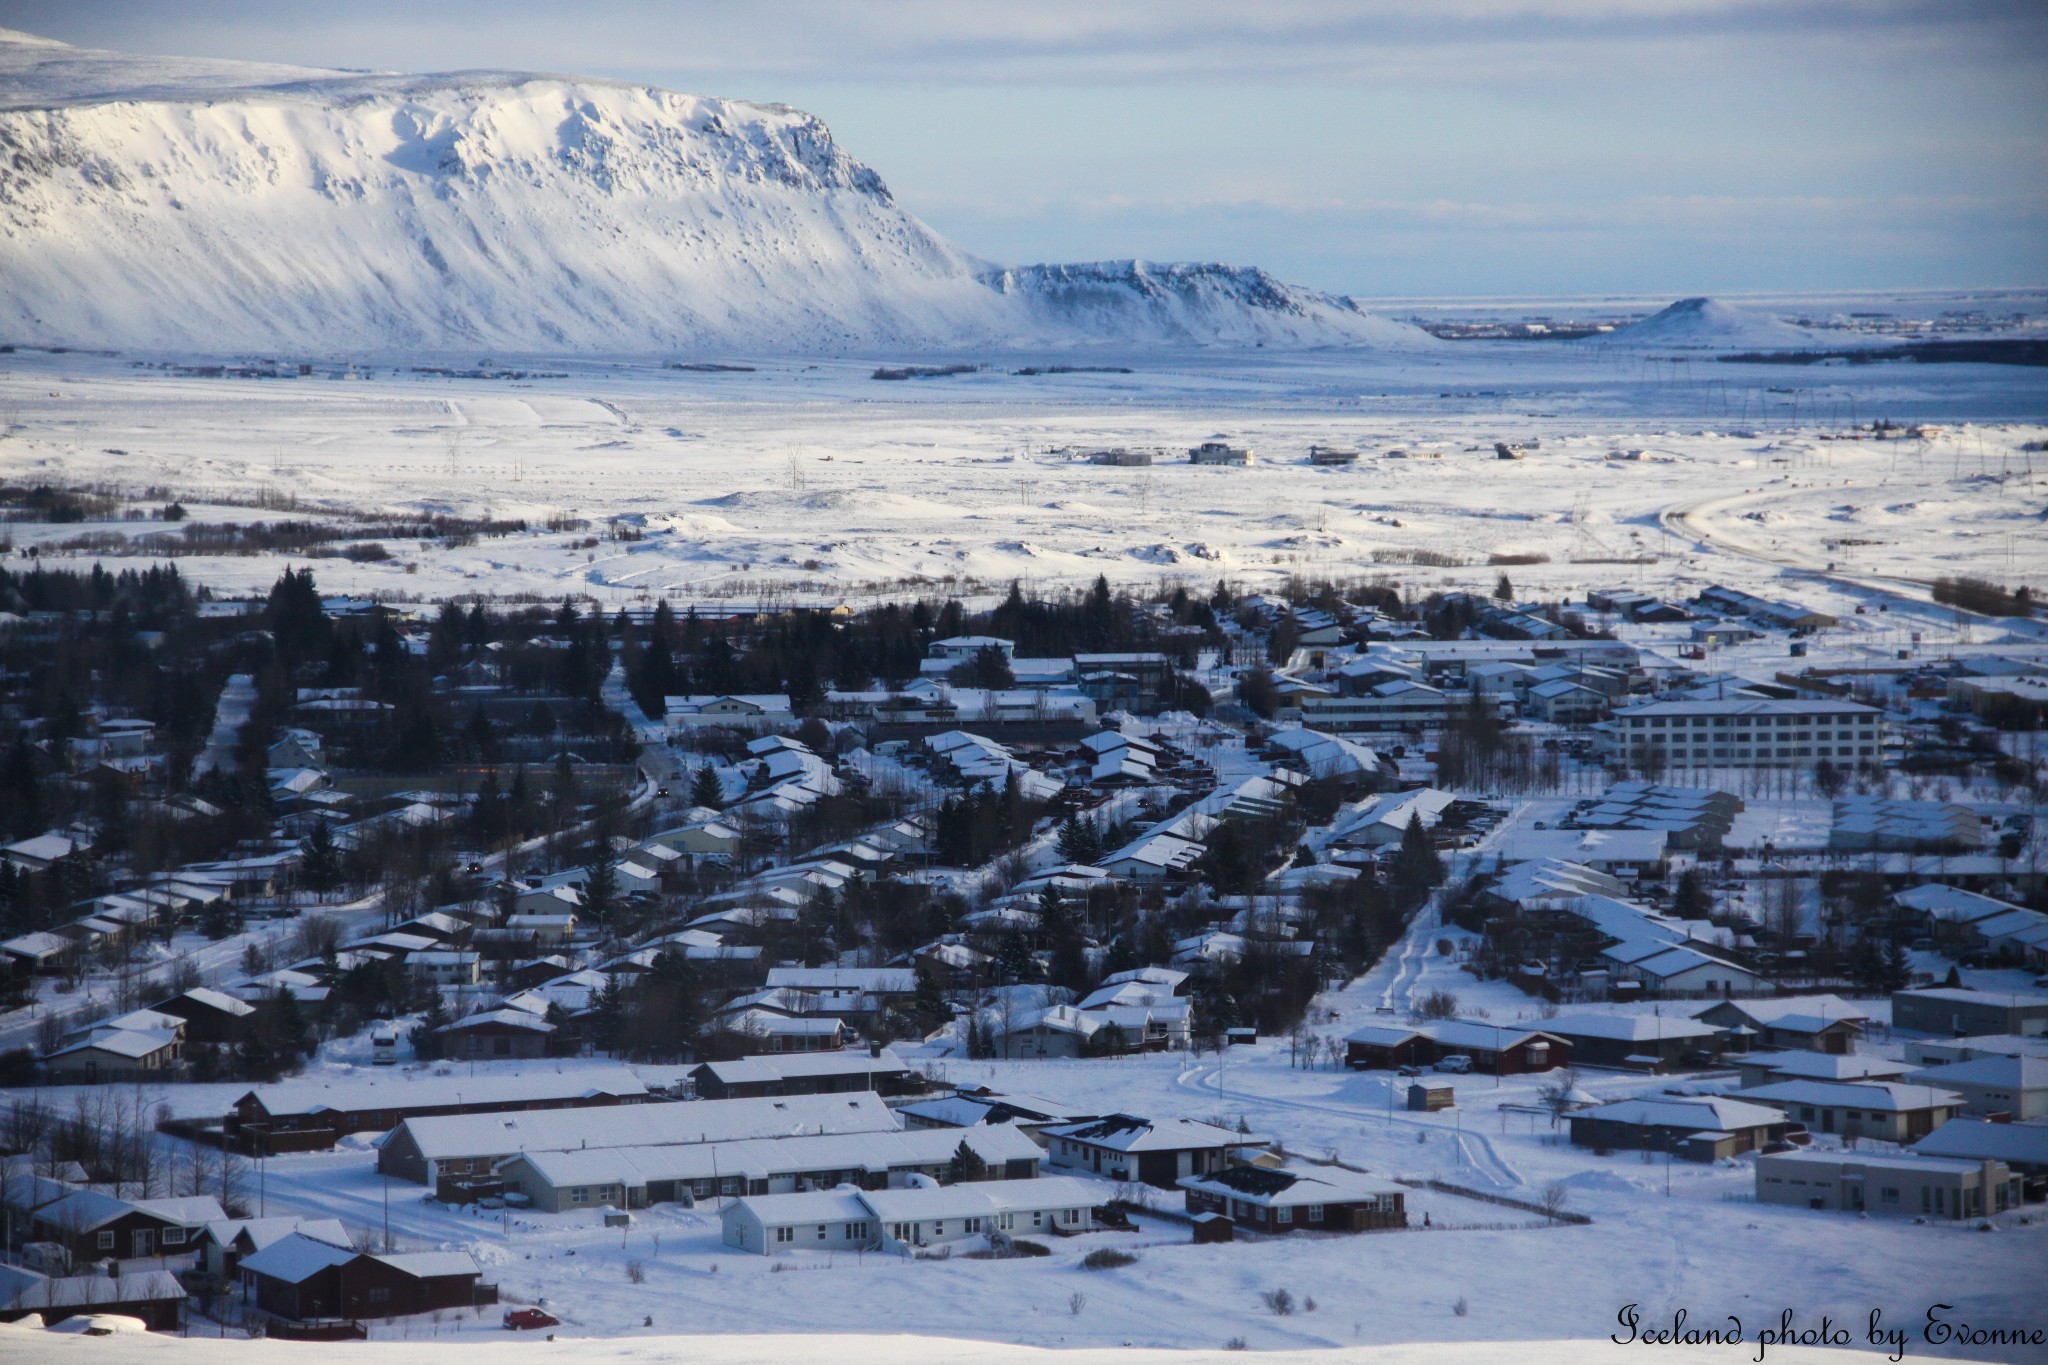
[843, 1350]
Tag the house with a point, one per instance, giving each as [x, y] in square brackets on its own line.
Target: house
[221, 1246]
[898, 1220]
[1888, 1110]
[1802, 1023]
[1502, 1049]
[41, 951]
[773, 1030]
[1157, 1152]
[2022, 1146]
[42, 852]
[1941, 1051]
[116, 1055]
[424, 1150]
[689, 1173]
[446, 967]
[1381, 821]
[1217, 450]
[1639, 1041]
[1864, 1183]
[2016, 1087]
[154, 1296]
[303, 1278]
[91, 1225]
[1677, 971]
[1383, 1047]
[765, 711]
[818, 1073]
[1768, 1068]
[498, 1033]
[1331, 1199]
[210, 1016]
[1697, 1127]
[300, 1117]
[1954, 1011]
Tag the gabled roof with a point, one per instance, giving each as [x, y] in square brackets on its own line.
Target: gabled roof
[1693, 1113]
[1291, 1188]
[1980, 1139]
[1888, 1097]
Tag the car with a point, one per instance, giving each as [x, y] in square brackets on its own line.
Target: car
[1457, 1063]
[529, 1319]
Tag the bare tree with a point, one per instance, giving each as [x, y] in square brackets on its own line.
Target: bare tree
[1553, 1199]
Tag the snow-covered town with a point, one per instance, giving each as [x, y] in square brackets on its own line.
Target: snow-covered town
[609, 744]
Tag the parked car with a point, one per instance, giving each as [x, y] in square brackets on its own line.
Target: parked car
[529, 1319]
[1456, 1063]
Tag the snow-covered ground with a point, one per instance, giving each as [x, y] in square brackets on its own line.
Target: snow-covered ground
[814, 478]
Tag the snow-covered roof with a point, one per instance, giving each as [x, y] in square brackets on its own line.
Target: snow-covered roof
[1127, 1133]
[1981, 1139]
[1890, 1097]
[402, 1090]
[1291, 1188]
[642, 1125]
[2012, 1073]
[772, 1068]
[1628, 1027]
[1824, 1066]
[1694, 1113]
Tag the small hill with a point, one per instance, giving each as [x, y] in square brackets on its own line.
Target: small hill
[1710, 324]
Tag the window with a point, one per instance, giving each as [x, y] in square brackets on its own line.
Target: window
[856, 1231]
[579, 1195]
[1888, 1194]
[106, 1241]
[174, 1237]
[939, 1228]
[380, 1293]
[821, 1232]
[1283, 1215]
[1315, 1213]
[785, 1234]
[974, 1225]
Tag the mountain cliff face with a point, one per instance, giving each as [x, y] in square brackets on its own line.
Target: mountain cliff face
[218, 206]
[1140, 301]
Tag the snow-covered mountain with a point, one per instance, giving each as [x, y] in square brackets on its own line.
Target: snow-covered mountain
[1710, 324]
[177, 204]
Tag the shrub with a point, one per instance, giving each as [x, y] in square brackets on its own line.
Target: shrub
[1107, 1258]
[636, 1273]
[1437, 1005]
[1280, 1302]
[1461, 1308]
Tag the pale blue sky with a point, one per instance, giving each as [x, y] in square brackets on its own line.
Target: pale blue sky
[1448, 147]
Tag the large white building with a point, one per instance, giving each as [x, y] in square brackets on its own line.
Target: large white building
[1746, 733]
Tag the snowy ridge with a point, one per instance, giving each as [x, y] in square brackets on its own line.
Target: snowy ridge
[182, 204]
[1194, 303]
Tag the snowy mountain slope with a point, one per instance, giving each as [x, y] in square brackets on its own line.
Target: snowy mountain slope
[1142, 301]
[218, 206]
[1710, 324]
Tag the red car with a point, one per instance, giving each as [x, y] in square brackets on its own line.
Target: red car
[528, 1319]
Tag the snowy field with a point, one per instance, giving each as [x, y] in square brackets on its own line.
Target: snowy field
[814, 479]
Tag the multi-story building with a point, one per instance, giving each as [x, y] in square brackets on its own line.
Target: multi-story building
[1745, 733]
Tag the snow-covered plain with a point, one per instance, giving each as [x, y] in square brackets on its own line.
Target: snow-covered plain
[809, 477]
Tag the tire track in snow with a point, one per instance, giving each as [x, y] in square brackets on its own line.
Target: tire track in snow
[1474, 1149]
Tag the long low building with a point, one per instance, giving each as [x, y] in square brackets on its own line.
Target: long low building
[425, 1150]
[301, 1117]
[2022, 1146]
[1887, 1110]
[1506, 1049]
[1697, 1127]
[900, 1220]
[634, 1177]
[1953, 1010]
[1863, 1182]
[814, 1073]
[1634, 1041]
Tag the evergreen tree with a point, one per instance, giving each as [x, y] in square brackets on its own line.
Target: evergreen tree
[705, 789]
[1691, 899]
[321, 869]
[1417, 867]
[930, 1002]
[1080, 840]
[608, 1022]
[966, 1165]
[601, 891]
[427, 1043]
